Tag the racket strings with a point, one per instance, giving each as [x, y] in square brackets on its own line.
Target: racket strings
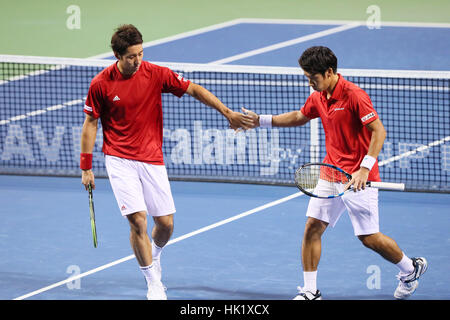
[307, 177]
[331, 179]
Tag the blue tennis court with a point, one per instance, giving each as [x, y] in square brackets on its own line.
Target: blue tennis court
[253, 257]
[234, 241]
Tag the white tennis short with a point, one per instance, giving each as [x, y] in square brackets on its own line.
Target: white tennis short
[362, 207]
[140, 186]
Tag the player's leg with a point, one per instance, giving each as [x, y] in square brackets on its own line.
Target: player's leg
[161, 233]
[127, 187]
[320, 213]
[311, 252]
[312, 243]
[162, 230]
[160, 205]
[383, 245]
[142, 248]
[139, 239]
[363, 212]
[410, 269]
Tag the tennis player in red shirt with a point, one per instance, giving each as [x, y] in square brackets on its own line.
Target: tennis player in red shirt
[354, 136]
[126, 96]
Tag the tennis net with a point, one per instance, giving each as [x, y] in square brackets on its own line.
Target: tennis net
[41, 115]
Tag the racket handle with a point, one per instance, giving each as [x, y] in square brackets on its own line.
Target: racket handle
[387, 185]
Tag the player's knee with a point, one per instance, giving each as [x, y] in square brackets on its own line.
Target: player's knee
[368, 241]
[167, 226]
[314, 228]
[138, 222]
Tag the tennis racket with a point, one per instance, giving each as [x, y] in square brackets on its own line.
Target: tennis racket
[92, 214]
[333, 180]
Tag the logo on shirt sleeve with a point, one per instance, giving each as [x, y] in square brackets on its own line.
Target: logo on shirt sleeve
[87, 108]
[180, 77]
[367, 117]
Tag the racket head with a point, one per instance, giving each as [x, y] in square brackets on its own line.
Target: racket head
[331, 178]
[92, 216]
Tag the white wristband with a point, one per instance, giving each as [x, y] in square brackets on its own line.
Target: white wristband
[368, 162]
[265, 121]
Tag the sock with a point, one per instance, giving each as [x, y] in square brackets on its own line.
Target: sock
[156, 251]
[310, 279]
[149, 273]
[405, 265]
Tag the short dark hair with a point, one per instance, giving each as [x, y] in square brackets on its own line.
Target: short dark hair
[317, 60]
[125, 36]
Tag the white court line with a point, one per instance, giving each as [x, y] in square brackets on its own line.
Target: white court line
[287, 43]
[414, 151]
[41, 111]
[337, 22]
[178, 239]
[145, 45]
[277, 21]
[178, 36]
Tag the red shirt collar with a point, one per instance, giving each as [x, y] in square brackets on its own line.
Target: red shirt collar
[337, 92]
[120, 75]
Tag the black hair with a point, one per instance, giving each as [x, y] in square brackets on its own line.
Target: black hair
[125, 36]
[318, 59]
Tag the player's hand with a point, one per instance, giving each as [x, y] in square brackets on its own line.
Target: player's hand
[359, 180]
[87, 177]
[239, 121]
[251, 117]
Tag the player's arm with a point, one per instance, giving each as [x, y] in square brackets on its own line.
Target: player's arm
[377, 139]
[236, 119]
[359, 178]
[88, 135]
[289, 119]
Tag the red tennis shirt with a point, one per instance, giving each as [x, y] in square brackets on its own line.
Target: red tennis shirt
[130, 109]
[344, 117]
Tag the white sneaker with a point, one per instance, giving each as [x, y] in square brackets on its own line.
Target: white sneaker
[307, 295]
[409, 283]
[156, 291]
